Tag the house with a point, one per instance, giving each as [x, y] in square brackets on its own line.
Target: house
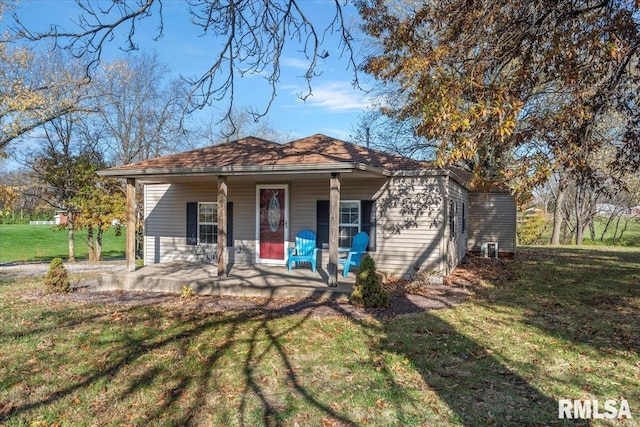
[243, 202]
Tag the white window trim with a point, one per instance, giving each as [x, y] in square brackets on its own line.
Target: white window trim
[215, 207]
[351, 225]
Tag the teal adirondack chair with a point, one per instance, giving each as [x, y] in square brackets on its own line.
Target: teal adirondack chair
[305, 249]
[354, 255]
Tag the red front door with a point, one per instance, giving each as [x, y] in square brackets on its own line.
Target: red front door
[272, 223]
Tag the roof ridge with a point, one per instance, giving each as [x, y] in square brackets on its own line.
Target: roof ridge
[374, 150]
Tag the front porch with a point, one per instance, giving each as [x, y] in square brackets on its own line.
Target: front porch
[256, 280]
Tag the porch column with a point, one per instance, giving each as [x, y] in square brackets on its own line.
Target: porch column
[334, 221]
[130, 248]
[222, 226]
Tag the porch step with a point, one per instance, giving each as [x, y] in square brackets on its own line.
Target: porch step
[249, 281]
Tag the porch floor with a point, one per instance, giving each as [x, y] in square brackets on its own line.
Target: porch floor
[242, 280]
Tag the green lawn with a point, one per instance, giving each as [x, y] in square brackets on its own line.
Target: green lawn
[44, 242]
[554, 323]
[630, 237]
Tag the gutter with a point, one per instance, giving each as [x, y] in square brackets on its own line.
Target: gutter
[242, 170]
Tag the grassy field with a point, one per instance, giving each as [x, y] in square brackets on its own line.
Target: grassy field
[43, 242]
[553, 323]
[630, 237]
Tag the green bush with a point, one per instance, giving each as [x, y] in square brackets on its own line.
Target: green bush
[368, 291]
[57, 278]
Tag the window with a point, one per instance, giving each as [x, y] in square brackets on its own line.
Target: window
[452, 219]
[349, 222]
[464, 219]
[207, 223]
[202, 223]
[355, 216]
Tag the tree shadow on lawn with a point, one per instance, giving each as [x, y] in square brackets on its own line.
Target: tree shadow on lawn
[146, 365]
[477, 387]
[587, 296]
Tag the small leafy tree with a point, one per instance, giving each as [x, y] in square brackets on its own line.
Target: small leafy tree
[368, 291]
[57, 278]
[101, 203]
[531, 227]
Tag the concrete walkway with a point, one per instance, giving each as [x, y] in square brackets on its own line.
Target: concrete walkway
[243, 280]
[18, 269]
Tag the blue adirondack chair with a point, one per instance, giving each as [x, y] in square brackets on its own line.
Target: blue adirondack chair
[354, 255]
[305, 249]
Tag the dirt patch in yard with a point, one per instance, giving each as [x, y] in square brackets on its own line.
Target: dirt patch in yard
[406, 297]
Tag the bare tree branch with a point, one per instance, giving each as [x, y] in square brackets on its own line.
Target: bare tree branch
[254, 35]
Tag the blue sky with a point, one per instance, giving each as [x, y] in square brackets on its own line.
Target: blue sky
[333, 108]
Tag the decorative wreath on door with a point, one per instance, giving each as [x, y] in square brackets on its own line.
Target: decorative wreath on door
[274, 212]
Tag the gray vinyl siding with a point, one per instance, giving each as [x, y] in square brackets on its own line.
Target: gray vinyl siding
[165, 219]
[411, 225]
[492, 218]
[165, 213]
[456, 244]
[410, 231]
[305, 194]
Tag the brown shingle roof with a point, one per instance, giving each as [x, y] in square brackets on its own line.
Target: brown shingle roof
[251, 151]
[324, 149]
[242, 152]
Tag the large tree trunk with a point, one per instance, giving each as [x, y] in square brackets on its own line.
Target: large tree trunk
[90, 245]
[72, 246]
[579, 213]
[98, 247]
[580, 227]
[585, 211]
[557, 211]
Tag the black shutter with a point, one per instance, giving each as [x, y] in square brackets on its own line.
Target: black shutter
[368, 212]
[322, 222]
[229, 223]
[192, 223]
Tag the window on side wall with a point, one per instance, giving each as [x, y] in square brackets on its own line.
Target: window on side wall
[452, 219]
[207, 223]
[463, 226]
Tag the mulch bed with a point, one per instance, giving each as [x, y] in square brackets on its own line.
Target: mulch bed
[406, 297]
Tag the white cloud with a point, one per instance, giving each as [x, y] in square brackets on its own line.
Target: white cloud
[300, 64]
[336, 133]
[336, 97]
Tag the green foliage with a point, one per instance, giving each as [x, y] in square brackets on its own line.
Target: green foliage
[368, 291]
[531, 229]
[20, 217]
[57, 278]
[100, 203]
